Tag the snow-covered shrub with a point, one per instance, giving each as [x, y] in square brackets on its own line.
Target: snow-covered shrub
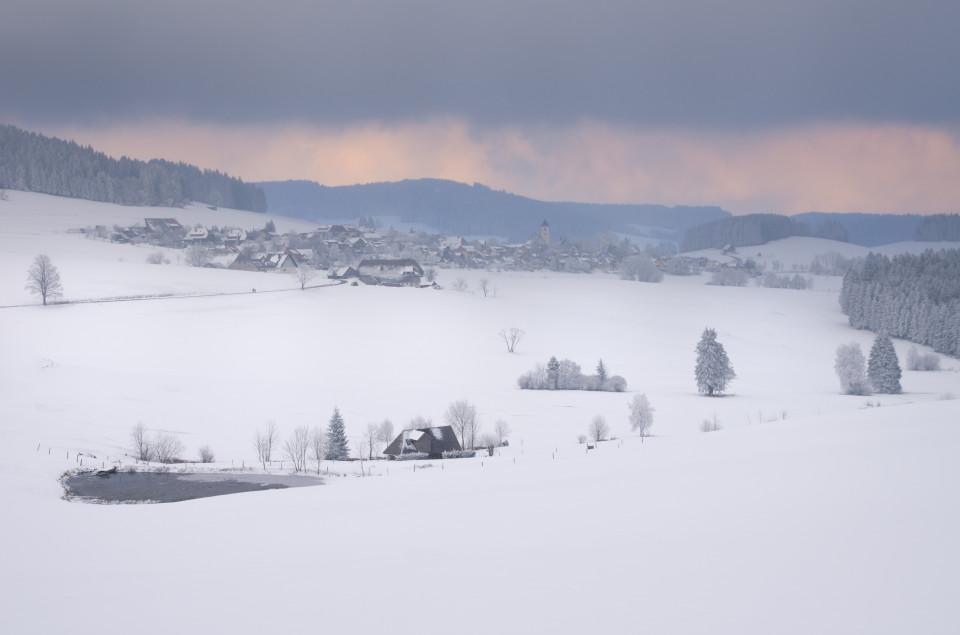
[615, 384]
[682, 266]
[568, 376]
[851, 368]
[642, 268]
[796, 281]
[157, 258]
[413, 456]
[830, 264]
[459, 454]
[206, 454]
[536, 379]
[728, 277]
[927, 361]
[711, 424]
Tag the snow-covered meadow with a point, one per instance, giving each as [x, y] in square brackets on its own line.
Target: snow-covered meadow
[810, 511]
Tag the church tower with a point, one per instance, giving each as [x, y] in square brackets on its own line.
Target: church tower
[545, 232]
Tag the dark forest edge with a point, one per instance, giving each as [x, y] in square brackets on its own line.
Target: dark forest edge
[32, 162]
[912, 297]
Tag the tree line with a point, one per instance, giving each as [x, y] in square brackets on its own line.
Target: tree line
[938, 227]
[914, 297]
[755, 229]
[32, 162]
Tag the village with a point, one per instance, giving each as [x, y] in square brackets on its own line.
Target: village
[387, 257]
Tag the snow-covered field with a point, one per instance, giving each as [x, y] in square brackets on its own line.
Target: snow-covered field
[810, 512]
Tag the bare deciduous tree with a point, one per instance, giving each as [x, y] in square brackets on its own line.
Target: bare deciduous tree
[166, 447]
[641, 414]
[206, 454]
[511, 337]
[141, 445]
[318, 445]
[430, 274]
[462, 417]
[198, 255]
[484, 286]
[502, 429]
[265, 441]
[599, 428]
[419, 422]
[43, 279]
[489, 441]
[385, 432]
[362, 447]
[157, 258]
[296, 447]
[460, 285]
[304, 275]
[371, 436]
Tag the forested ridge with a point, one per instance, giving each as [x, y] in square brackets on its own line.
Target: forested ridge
[913, 297]
[35, 163]
[755, 229]
[938, 227]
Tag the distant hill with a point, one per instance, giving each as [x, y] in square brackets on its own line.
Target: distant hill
[739, 231]
[869, 230]
[938, 227]
[469, 210]
[31, 162]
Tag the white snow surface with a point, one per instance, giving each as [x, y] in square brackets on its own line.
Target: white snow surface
[810, 512]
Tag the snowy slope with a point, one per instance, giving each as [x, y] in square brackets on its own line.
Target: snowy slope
[810, 512]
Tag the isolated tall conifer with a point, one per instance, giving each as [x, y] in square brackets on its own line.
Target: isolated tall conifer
[338, 448]
[713, 369]
[883, 367]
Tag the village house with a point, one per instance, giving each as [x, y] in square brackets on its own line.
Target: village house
[430, 441]
[403, 272]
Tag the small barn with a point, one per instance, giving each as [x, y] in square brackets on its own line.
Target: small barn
[430, 441]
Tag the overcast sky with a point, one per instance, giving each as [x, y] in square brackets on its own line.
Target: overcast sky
[753, 105]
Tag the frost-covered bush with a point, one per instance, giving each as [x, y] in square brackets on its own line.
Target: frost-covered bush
[412, 456]
[682, 266]
[728, 277]
[157, 258]
[711, 424]
[851, 368]
[459, 454]
[926, 361]
[830, 264]
[615, 384]
[567, 375]
[796, 281]
[642, 268]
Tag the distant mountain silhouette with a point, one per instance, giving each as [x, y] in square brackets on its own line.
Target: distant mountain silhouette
[476, 210]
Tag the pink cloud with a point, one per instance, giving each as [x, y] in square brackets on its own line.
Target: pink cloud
[826, 167]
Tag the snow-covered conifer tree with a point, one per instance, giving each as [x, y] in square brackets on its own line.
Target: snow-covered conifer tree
[883, 367]
[338, 448]
[851, 367]
[601, 372]
[553, 373]
[713, 369]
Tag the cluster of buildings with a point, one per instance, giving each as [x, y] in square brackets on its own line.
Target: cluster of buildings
[372, 256]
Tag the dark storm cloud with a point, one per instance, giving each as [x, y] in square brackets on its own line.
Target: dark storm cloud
[687, 63]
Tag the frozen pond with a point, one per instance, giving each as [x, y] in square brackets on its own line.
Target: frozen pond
[170, 487]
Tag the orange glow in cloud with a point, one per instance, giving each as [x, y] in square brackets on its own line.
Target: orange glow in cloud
[835, 168]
